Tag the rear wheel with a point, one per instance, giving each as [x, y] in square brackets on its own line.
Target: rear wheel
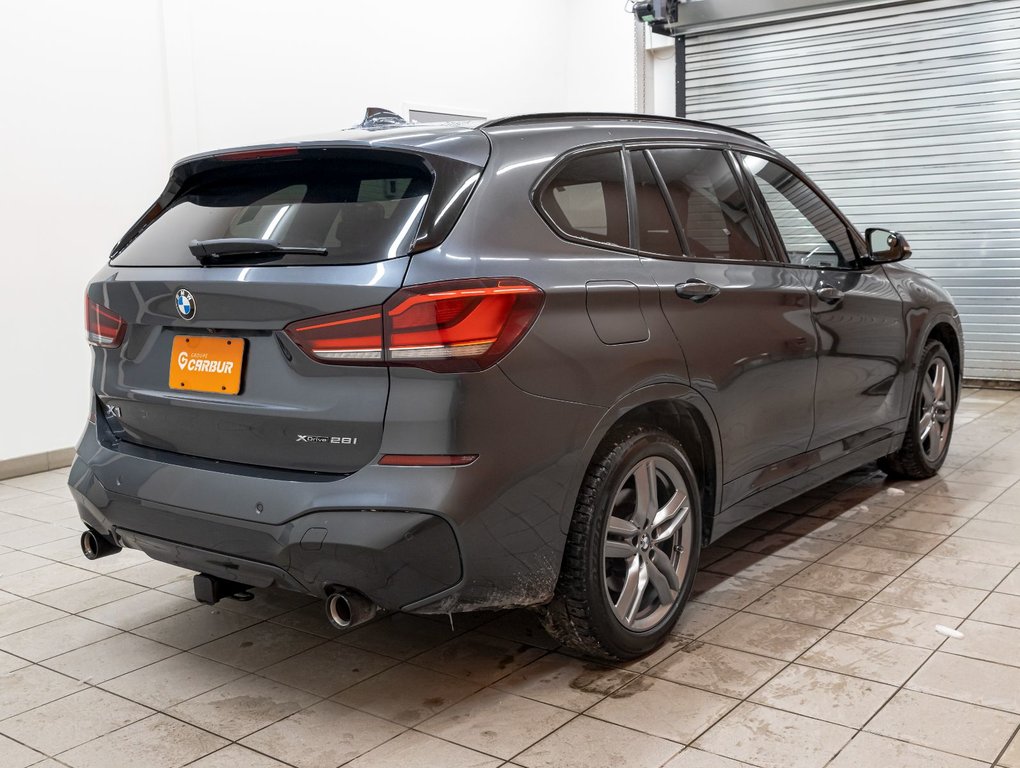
[930, 426]
[632, 550]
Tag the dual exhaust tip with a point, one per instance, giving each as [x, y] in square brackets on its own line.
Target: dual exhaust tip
[94, 546]
[345, 609]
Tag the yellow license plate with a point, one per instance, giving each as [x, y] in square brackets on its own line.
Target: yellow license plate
[207, 364]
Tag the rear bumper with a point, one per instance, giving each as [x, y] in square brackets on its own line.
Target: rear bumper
[396, 558]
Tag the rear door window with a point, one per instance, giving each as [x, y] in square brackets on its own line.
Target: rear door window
[588, 199]
[359, 211]
[710, 204]
[655, 229]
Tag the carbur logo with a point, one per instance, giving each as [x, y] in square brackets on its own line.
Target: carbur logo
[203, 364]
[186, 305]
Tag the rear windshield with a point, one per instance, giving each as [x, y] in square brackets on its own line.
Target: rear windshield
[358, 210]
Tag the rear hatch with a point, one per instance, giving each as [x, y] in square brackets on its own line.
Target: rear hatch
[190, 320]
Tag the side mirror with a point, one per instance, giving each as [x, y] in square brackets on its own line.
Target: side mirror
[885, 246]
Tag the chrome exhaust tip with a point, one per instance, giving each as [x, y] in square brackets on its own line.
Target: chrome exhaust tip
[346, 609]
[94, 546]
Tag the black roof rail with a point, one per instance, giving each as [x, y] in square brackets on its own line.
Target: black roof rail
[516, 119]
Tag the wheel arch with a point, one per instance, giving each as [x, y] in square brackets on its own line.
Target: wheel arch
[683, 414]
[944, 331]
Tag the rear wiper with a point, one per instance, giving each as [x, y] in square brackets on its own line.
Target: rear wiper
[246, 246]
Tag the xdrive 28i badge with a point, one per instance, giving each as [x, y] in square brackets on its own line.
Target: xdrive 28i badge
[186, 305]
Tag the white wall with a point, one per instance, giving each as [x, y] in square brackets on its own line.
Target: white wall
[99, 99]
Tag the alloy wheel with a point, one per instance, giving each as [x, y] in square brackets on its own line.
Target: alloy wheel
[935, 419]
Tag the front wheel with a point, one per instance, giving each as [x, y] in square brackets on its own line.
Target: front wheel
[632, 550]
[930, 424]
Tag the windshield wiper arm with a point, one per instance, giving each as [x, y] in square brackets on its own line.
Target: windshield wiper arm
[246, 246]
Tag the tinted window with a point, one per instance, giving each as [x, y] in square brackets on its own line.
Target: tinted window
[656, 233]
[588, 199]
[812, 232]
[711, 207]
[360, 211]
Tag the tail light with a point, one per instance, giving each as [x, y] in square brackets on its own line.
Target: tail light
[460, 325]
[105, 327]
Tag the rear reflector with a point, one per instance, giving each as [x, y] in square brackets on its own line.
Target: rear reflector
[416, 460]
[105, 328]
[460, 325]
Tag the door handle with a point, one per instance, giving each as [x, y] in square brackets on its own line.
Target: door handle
[828, 294]
[697, 290]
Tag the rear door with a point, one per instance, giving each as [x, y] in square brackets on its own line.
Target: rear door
[742, 319]
[344, 224]
[859, 316]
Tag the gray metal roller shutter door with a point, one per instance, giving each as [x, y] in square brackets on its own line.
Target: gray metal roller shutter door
[909, 118]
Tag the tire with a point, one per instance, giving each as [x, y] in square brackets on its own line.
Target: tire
[930, 422]
[625, 578]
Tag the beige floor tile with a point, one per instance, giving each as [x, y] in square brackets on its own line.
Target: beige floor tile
[872, 559]
[842, 582]
[645, 663]
[259, 646]
[828, 696]
[55, 638]
[30, 687]
[138, 610]
[564, 681]
[962, 573]
[926, 522]
[266, 603]
[477, 657]
[36, 535]
[1011, 496]
[110, 658]
[521, 626]
[976, 732]
[733, 592]
[95, 591]
[171, 681]
[588, 743]
[999, 608]
[153, 573]
[195, 627]
[9, 663]
[242, 706]
[804, 607]
[156, 742]
[931, 596]
[916, 542]
[765, 636]
[899, 625]
[868, 750]
[970, 680]
[235, 756]
[983, 530]
[820, 528]
[754, 565]
[400, 636]
[980, 477]
[73, 720]
[14, 755]
[496, 723]
[665, 709]
[695, 758]
[1003, 513]
[44, 579]
[1011, 584]
[717, 669]
[18, 615]
[328, 669]
[797, 547]
[67, 550]
[407, 694]
[698, 618]
[771, 738]
[990, 642]
[1011, 758]
[418, 750]
[865, 657]
[992, 552]
[961, 490]
[944, 505]
[326, 734]
[858, 513]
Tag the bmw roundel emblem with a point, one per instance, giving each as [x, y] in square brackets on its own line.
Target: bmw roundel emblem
[186, 304]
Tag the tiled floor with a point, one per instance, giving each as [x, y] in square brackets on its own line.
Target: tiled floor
[812, 642]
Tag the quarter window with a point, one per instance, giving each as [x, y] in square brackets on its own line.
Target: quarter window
[588, 199]
[812, 233]
[710, 204]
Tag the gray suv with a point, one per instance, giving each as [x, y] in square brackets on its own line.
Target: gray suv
[539, 361]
